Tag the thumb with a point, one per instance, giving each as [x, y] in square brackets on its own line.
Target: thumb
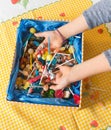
[63, 83]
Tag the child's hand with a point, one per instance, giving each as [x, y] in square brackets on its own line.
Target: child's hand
[62, 78]
[56, 39]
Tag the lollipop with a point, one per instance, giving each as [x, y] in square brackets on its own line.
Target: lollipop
[32, 31]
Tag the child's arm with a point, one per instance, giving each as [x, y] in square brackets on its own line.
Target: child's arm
[88, 68]
[97, 14]
[94, 16]
[56, 38]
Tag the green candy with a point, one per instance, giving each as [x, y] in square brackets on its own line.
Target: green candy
[49, 93]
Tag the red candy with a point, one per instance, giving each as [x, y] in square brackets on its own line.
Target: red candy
[39, 17]
[34, 79]
[62, 14]
[62, 128]
[59, 93]
[30, 90]
[76, 99]
[39, 52]
[15, 1]
[100, 31]
[48, 79]
[94, 123]
[43, 67]
[14, 23]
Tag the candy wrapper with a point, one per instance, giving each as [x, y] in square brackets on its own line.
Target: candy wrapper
[34, 69]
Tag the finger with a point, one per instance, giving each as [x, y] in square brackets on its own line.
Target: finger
[39, 34]
[41, 46]
[57, 78]
[56, 87]
[62, 68]
[55, 71]
[58, 75]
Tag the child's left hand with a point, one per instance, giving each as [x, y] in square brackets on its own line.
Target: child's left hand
[62, 78]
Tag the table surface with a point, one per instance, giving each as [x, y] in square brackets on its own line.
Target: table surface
[95, 113]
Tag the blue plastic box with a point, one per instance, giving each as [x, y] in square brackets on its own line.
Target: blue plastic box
[21, 95]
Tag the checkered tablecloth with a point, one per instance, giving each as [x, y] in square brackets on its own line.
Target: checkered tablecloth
[95, 113]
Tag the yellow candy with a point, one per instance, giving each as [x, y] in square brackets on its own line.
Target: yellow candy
[26, 85]
[71, 49]
[49, 57]
[62, 49]
[34, 55]
[46, 53]
[44, 57]
[32, 30]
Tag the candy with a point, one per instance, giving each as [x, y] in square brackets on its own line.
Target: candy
[51, 75]
[32, 30]
[94, 123]
[31, 90]
[34, 79]
[62, 49]
[75, 97]
[71, 49]
[15, 23]
[19, 83]
[100, 31]
[27, 66]
[62, 128]
[36, 72]
[49, 93]
[51, 60]
[25, 73]
[38, 67]
[66, 94]
[39, 17]
[62, 14]
[59, 93]
[45, 87]
[31, 51]
[27, 84]
[15, 1]
[49, 57]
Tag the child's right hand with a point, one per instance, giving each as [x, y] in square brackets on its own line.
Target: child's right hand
[62, 78]
[56, 39]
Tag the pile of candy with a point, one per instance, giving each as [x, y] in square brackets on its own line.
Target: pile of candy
[38, 67]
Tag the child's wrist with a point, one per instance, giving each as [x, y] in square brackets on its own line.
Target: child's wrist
[72, 76]
[60, 34]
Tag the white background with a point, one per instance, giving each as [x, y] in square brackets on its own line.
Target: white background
[9, 10]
